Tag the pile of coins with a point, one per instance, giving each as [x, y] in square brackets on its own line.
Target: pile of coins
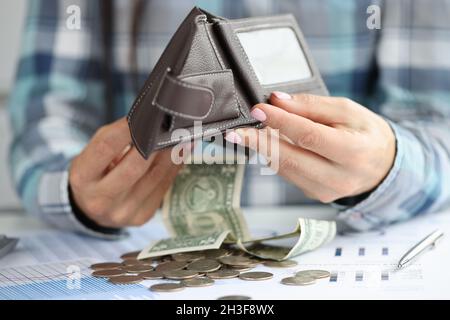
[305, 277]
[197, 269]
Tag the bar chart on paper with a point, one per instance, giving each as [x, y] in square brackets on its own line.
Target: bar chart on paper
[55, 265]
[371, 264]
[62, 280]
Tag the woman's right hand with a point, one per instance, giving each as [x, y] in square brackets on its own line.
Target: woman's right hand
[113, 184]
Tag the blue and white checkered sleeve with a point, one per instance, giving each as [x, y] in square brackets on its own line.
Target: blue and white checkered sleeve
[413, 92]
[418, 183]
[55, 107]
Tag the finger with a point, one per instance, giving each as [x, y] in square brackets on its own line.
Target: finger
[107, 143]
[289, 160]
[117, 159]
[160, 170]
[325, 110]
[264, 141]
[307, 134]
[157, 172]
[127, 172]
[147, 187]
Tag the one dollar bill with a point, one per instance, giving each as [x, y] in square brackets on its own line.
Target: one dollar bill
[310, 234]
[202, 211]
[205, 199]
[185, 243]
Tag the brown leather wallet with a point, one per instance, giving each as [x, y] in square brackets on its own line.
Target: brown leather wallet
[213, 71]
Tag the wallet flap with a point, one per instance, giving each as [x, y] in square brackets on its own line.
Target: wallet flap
[184, 99]
[260, 31]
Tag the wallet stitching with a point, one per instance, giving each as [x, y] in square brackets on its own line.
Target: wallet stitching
[222, 64]
[239, 121]
[226, 71]
[190, 87]
[213, 73]
[241, 110]
[135, 105]
[236, 122]
[141, 96]
[198, 74]
[172, 124]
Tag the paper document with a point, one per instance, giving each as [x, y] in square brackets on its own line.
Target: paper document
[47, 264]
[53, 264]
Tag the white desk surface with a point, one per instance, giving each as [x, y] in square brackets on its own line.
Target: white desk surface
[367, 276]
[14, 222]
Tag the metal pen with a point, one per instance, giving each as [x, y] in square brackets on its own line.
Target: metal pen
[426, 243]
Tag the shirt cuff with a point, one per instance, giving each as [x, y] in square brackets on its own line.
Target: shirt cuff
[55, 206]
[381, 207]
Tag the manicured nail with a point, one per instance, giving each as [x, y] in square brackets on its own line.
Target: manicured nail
[233, 137]
[188, 145]
[258, 114]
[282, 95]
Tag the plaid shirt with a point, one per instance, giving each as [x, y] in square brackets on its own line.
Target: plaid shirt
[401, 71]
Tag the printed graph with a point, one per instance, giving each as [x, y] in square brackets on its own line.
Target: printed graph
[53, 281]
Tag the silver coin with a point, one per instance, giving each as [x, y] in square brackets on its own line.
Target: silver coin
[252, 265]
[238, 252]
[298, 281]
[171, 265]
[216, 253]
[223, 274]
[204, 265]
[108, 273]
[167, 287]
[130, 255]
[238, 261]
[147, 260]
[106, 266]
[234, 297]
[126, 279]
[151, 275]
[135, 262]
[197, 282]
[131, 262]
[256, 275]
[317, 274]
[180, 274]
[188, 256]
[138, 268]
[280, 264]
[160, 259]
[240, 268]
[166, 258]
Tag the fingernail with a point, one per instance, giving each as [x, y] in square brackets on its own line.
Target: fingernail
[233, 137]
[258, 114]
[282, 95]
[188, 145]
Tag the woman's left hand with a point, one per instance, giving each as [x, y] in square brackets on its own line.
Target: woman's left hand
[330, 147]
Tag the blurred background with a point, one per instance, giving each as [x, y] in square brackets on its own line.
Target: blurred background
[12, 14]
